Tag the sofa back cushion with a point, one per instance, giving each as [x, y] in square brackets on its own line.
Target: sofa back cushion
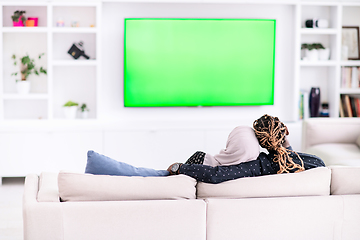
[313, 182]
[88, 187]
[345, 180]
[48, 187]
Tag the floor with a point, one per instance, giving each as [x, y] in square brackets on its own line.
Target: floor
[11, 226]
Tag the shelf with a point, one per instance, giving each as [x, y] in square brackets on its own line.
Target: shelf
[90, 62]
[16, 96]
[74, 29]
[318, 63]
[24, 29]
[350, 63]
[349, 90]
[318, 31]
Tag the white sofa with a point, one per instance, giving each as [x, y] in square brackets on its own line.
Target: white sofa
[321, 203]
[335, 140]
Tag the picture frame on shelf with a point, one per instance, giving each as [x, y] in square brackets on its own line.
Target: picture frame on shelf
[350, 38]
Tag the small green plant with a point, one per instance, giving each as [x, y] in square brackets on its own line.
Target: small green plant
[312, 46]
[27, 66]
[84, 108]
[18, 14]
[70, 104]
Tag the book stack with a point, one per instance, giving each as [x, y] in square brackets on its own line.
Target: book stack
[350, 77]
[349, 106]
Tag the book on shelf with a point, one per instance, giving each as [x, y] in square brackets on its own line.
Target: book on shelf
[304, 111]
[349, 106]
[350, 77]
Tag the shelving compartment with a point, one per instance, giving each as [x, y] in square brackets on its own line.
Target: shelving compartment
[25, 109]
[84, 16]
[327, 40]
[63, 41]
[31, 11]
[326, 12]
[75, 83]
[323, 77]
[21, 44]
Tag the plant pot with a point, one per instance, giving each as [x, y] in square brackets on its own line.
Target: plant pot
[84, 114]
[312, 55]
[324, 54]
[70, 112]
[19, 23]
[23, 87]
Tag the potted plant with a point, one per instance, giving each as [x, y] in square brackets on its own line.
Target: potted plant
[27, 67]
[18, 18]
[70, 109]
[84, 111]
[311, 53]
[315, 51]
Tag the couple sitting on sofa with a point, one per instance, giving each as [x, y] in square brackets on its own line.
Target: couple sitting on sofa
[240, 158]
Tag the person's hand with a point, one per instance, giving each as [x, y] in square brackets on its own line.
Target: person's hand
[286, 131]
[286, 143]
[169, 168]
[174, 168]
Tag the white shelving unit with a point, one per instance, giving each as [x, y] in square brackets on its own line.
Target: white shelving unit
[324, 74]
[67, 78]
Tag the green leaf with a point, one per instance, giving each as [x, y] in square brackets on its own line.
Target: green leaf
[42, 70]
[25, 60]
[36, 72]
[14, 74]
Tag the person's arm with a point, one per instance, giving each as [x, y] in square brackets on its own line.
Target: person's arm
[208, 174]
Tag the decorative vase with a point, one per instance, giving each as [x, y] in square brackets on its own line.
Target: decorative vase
[30, 23]
[312, 55]
[324, 54]
[35, 19]
[70, 112]
[314, 102]
[23, 87]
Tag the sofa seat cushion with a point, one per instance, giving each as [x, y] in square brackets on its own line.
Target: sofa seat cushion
[313, 182]
[347, 154]
[88, 187]
[345, 180]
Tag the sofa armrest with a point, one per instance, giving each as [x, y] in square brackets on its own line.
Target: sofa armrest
[329, 130]
[41, 220]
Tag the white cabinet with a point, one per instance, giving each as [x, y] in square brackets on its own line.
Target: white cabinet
[34, 152]
[67, 78]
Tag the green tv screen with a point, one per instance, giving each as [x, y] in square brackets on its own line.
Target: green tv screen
[198, 62]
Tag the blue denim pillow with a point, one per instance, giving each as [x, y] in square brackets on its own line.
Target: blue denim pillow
[102, 165]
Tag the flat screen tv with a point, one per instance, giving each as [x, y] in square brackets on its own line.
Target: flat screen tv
[198, 62]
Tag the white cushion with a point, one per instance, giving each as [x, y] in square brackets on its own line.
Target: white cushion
[307, 183]
[347, 154]
[345, 180]
[48, 187]
[88, 187]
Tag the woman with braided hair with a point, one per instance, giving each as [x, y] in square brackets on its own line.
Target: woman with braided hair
[271, 134]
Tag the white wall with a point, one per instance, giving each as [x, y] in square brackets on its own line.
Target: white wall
[112, 81]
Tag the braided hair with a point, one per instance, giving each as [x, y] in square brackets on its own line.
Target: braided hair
[271, 133]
